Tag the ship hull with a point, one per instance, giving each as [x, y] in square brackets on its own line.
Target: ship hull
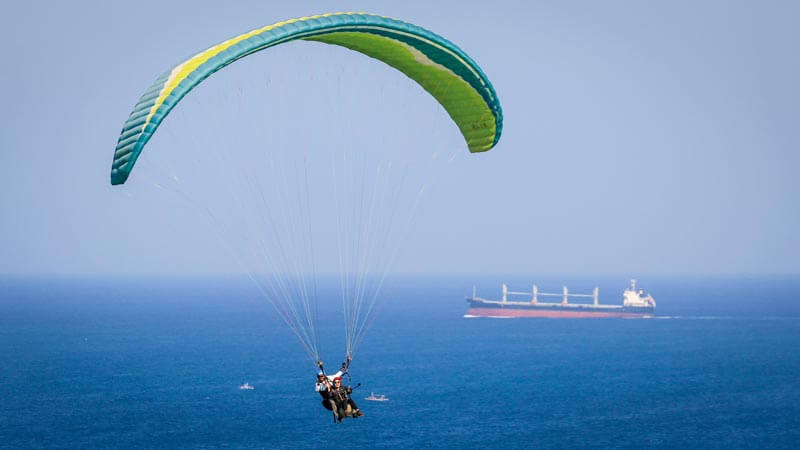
[484, 309]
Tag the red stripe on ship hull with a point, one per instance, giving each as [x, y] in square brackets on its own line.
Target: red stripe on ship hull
[549, 313]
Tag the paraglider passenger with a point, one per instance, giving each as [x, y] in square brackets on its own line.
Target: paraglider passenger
[341, 398]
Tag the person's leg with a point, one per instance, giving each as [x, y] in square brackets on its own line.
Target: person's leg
[356, 412]
[342, 411]
[333, 406]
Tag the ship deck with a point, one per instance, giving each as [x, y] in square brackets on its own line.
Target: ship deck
[498, 303]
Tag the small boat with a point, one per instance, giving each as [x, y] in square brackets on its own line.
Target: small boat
[376, 398]
[246, 386]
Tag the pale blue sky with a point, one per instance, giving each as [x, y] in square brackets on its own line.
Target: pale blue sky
[639, 137]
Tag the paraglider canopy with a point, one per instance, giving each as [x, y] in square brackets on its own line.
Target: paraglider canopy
[435, 63]
[258, 197]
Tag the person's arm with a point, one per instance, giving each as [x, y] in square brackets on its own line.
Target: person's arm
[337, 374]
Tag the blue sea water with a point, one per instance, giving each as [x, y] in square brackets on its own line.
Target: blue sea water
[156, 363]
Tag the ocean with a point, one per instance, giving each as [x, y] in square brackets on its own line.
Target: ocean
[157, 363]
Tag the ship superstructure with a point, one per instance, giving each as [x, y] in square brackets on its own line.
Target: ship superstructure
[635, 303]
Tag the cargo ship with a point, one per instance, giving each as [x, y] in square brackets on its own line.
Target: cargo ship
[635, 304]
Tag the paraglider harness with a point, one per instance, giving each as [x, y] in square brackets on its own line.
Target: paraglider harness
[338, 397]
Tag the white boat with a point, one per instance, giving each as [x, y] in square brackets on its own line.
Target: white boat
[376, 398]
[246, 386]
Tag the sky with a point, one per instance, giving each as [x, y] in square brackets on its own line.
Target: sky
[639, 137]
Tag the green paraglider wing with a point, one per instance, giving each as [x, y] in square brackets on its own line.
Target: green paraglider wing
[440, 67]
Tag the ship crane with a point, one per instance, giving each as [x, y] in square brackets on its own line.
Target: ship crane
[534, 294]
